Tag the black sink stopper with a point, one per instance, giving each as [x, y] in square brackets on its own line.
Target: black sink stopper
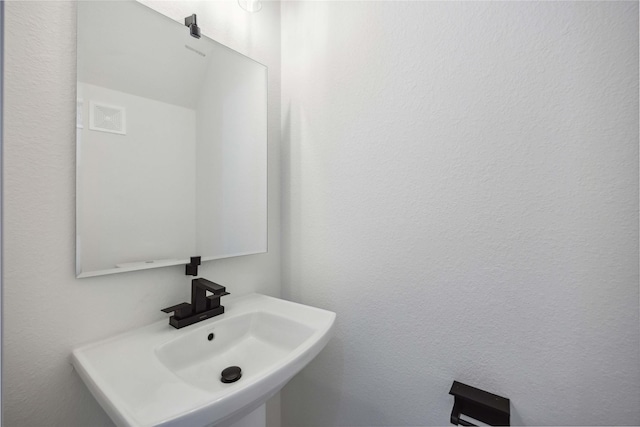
[231, 374]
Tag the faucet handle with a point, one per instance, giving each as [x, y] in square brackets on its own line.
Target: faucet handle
[180, 310]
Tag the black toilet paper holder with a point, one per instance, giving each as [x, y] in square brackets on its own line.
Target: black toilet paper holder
[478, 404]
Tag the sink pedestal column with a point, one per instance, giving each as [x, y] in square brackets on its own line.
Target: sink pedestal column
[257, 418]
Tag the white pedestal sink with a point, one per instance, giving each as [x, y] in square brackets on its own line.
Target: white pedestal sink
[161, 376]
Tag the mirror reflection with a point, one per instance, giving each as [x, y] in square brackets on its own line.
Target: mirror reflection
[171, 143]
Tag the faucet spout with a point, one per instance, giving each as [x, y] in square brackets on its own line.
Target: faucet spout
[210, 286]
[199, 299]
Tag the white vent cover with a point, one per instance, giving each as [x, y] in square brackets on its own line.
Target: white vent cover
[107, 118]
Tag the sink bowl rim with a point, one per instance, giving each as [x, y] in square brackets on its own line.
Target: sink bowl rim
[256, 388]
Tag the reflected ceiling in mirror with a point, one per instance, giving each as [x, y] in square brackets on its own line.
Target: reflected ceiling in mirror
[171, 144]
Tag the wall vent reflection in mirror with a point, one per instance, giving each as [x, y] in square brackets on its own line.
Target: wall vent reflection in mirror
[107, 118]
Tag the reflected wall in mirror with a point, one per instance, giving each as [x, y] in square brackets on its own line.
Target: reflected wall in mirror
[171, 143]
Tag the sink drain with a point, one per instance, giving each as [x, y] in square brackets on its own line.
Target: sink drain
[231, 374]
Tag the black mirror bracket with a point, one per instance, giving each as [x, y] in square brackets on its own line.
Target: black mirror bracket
[191, 269]
[192, 23]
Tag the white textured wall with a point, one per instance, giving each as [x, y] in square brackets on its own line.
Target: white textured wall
[460, 184]
[47, 311]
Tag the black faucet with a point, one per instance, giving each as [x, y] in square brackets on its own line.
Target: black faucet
[202, 306]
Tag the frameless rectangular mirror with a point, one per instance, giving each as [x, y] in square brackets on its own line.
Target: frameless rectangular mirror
[171, 143]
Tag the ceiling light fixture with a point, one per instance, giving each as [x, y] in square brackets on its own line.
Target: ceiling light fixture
[251, 6]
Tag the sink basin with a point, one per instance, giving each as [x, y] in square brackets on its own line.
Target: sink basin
[161, 376]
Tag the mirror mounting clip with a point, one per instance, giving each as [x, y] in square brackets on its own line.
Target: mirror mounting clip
[192, 23]
[191, 269]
